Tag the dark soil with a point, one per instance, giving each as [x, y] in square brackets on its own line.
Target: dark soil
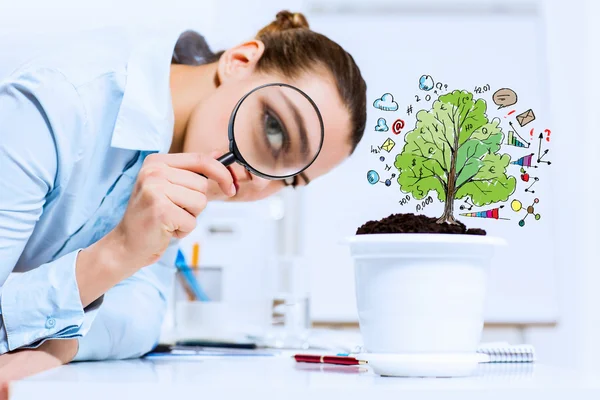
[411, 223]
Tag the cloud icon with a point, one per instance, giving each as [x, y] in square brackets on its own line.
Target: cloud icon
[426, 82]
[381, 125]
[386, 103]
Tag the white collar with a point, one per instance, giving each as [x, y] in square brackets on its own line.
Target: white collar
[146, 118]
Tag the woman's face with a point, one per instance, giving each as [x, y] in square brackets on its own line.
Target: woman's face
[259, 133]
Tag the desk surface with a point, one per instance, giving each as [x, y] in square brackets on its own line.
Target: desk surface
[282, 378]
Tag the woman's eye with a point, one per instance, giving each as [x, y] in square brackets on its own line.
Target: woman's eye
[274, 132]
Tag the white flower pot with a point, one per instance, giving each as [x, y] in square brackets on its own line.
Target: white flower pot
[421, 293]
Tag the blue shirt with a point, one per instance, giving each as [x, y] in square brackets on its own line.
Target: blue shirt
[75, 126]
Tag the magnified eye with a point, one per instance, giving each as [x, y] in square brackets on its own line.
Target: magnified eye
[274, 132]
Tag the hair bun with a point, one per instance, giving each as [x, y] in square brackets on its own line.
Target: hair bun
[288, 20]
[285, 20]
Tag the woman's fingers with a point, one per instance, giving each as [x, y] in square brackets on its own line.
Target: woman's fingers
[187, 179]
[198, 163]
[192, 201]
[182, 222]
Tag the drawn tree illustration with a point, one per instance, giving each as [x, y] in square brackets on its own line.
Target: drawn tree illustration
[453, 150]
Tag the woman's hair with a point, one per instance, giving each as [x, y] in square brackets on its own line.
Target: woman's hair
[291, 48]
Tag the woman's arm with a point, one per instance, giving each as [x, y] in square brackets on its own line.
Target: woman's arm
[129, 322]
[40, 114]
[40, 118]
[27, 362]
[127, 325]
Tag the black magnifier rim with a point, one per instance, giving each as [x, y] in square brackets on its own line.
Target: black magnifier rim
[233, 147]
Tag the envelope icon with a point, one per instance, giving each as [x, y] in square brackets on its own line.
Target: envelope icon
[388, 145]
[526, 117]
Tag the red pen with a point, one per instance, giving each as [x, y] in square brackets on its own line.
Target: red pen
[310, 358]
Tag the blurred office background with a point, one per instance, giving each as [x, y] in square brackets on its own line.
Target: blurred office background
[554, 304]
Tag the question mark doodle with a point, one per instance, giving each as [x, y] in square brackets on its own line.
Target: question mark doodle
[547, 134]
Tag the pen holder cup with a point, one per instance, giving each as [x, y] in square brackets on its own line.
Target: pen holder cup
[208, 278]
[216, 317]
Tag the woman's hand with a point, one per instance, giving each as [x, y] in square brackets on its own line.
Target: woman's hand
[167, 197]
[23, 363]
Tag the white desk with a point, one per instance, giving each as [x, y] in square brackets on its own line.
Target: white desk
[282, 378]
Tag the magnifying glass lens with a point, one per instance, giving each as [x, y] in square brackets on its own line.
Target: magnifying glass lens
[277, 131]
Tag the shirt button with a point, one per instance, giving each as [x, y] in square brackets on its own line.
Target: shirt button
[50, 323]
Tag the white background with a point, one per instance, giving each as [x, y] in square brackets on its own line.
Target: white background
[571, 31]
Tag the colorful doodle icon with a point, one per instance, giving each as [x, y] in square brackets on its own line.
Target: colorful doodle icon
[540, 154]
[514, 139]
[525, 117]
[381, 125]
[426, 82]
[372, 177]
[386, 103]
[525, 177]
[548, 132]
[525, 161]
[504, 97]
[492, 213]
[517, 206]
[467, 206]
[388, 145]
[397, 126]
[388, 182]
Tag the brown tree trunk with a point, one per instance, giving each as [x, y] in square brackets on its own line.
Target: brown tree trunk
[448, 215]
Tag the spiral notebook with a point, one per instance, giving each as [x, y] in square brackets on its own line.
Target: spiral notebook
[351, 343]
[506, 353]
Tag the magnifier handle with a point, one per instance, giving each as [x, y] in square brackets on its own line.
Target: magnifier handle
[227, 159]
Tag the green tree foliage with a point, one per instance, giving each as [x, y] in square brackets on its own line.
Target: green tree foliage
[453, 150]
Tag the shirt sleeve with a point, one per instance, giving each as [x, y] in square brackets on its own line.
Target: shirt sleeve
[129, 322]
[44, 302]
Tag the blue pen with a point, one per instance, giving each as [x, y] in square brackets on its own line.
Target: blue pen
[191, 280]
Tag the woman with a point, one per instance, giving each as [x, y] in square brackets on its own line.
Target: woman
[107, 156]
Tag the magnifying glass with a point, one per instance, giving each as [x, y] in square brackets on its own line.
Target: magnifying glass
[275, 131]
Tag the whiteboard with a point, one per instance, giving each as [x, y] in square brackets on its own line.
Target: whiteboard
[464, 52]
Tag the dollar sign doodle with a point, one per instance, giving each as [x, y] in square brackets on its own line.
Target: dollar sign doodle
[414, 162]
